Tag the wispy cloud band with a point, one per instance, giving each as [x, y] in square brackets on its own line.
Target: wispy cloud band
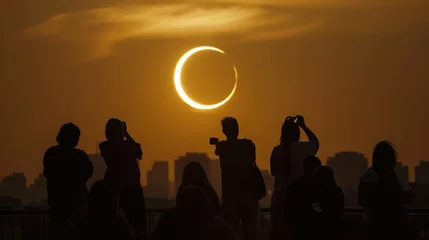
[107, 26]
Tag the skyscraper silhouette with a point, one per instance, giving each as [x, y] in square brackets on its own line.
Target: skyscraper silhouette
[157, 180]
[422, 172]
[215, 176]
[402, 172]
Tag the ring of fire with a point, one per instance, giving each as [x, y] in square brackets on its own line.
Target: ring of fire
[181, 91]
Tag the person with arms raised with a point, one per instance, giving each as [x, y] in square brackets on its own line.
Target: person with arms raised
[286, 164]
[123, 174]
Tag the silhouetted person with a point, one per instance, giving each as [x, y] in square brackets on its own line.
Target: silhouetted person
[123, 174]
[382, 195]
[298, 204]
[328, 204]
[192, 219]
[106, 223]
[286, 164]
[237, 161]
[194, 174]
[67, 169]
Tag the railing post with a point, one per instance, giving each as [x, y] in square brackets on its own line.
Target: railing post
[13, 227]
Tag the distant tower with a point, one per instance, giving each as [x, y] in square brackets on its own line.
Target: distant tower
[422, 172]
[402, 172]
[157, 180]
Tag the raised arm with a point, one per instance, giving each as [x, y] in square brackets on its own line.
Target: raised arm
[127, 134]
[310, 135]
[219, 148]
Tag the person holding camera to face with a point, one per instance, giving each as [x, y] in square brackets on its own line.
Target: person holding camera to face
[286, 163]
[238, 166]
[121, 153]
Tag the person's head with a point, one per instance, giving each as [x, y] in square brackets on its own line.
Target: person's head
[384, 156]
[230, 127]
[194, 205]
[194, 174]
[98, 202]
[69, 135]
[115, 129]
[310, 165]
[290, 132]
[324, 177]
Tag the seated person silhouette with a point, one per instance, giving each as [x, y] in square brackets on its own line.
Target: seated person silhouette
[194, 174]
[123, 174]
[298, 203]
[67, 169]
[328, 204]
[106, 223]
[193, 218]
[382, 195]
[237, 161]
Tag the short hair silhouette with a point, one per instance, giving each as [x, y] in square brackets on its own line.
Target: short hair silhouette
[384, 156]
[290, 132]
[311, 164]
[68, 135]
[114, 129]
[230, 126]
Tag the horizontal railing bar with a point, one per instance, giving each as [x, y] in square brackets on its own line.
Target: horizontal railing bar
[161, 210]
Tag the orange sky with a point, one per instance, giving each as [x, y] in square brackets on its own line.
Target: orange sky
[357, 69]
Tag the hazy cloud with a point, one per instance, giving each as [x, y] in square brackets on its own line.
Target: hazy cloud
[103, 27]
[99, 29]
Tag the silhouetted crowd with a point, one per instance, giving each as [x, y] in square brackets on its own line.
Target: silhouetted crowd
[306, 202]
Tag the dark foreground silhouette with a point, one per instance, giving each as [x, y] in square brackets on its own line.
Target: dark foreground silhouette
[123, 175]
[306, 202]
[239, 181]
[67, 169]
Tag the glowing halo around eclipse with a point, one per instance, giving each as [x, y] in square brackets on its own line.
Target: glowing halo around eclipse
[181, 91]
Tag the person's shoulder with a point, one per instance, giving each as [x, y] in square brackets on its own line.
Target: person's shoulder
[131, 143]
[369, 175]
[103, 144]
[277, 149]
[52, 149]
[248, 142]
[81, 152]
[221, 145]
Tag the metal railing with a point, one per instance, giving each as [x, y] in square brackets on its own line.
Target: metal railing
[34, 224]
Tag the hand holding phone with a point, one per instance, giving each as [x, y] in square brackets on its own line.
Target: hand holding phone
[214, 141]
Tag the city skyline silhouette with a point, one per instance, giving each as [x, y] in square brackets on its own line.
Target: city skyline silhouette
[159, 187]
